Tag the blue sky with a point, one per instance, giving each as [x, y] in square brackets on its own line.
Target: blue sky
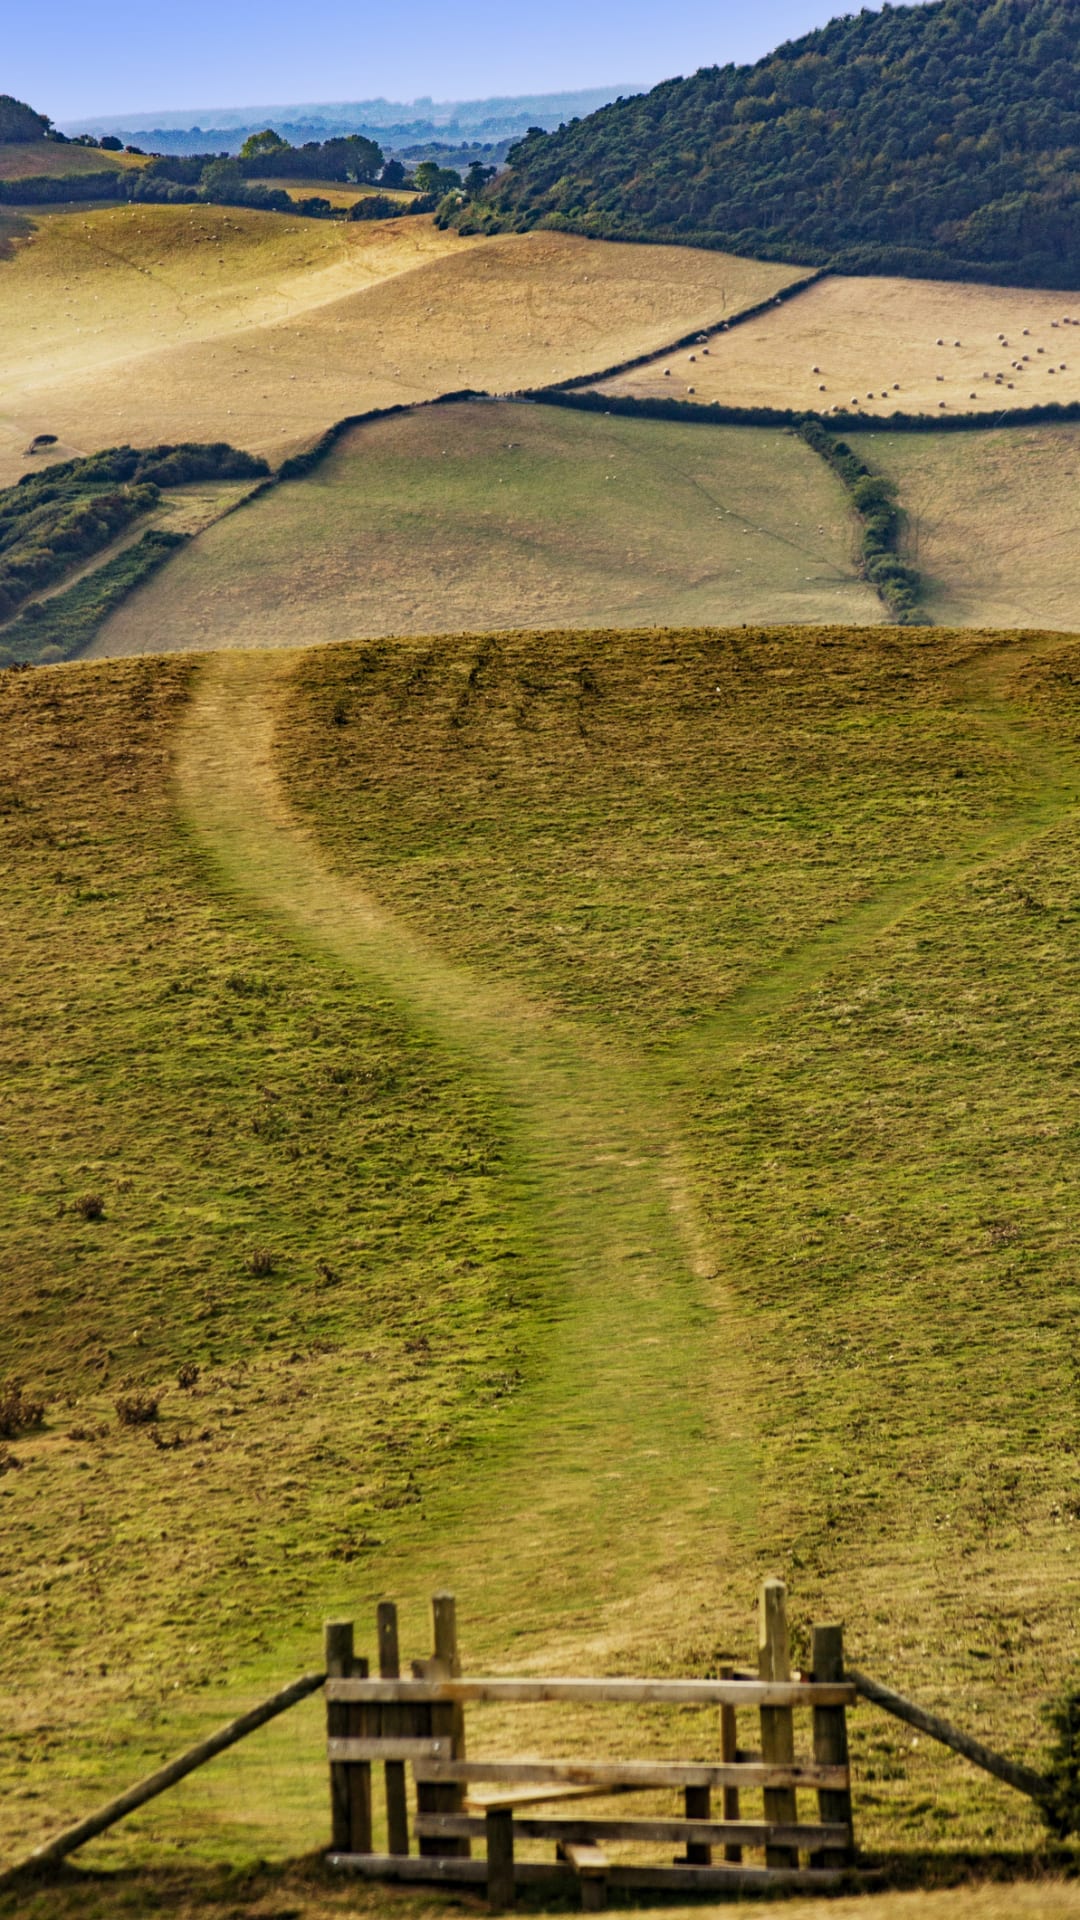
[75, 59]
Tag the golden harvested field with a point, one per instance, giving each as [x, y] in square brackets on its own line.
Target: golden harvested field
[992, 521]
[882, 345]
[338, 194]
[36, 159]
[495, 515]
[204, 323]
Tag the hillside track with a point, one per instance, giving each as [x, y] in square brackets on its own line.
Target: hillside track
[626, 1469]
[611, 1438]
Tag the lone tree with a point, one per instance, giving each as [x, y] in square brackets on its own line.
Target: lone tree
[267, 141]
[20, 122]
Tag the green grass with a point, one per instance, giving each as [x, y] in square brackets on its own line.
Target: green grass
[480, 515]
[673, 1032]
[990, 521]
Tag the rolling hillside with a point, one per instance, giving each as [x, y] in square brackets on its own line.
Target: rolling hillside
[514, 516]
[161, 323]
[380, 1021]
[940, 139]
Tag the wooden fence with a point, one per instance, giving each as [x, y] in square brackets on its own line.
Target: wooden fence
[383, 1729]
[388, 1727]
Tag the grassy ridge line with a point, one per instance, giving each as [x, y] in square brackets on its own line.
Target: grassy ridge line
[650, 409]
[299, 464]
[687, 339]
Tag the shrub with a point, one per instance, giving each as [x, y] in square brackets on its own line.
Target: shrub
[188, 1375]
[89, 1206]
[18, 1413]
[137, 1409]
[261, 1263]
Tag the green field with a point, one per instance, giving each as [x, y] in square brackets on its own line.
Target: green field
[598, 1111]
[479, 515]
[990, 521]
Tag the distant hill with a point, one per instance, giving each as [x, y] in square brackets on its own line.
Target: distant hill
[940, 139]
[393, 123]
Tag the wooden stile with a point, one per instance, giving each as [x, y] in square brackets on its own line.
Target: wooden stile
[729, 1751]
[831, 1745]
[777, 1725]
[428, 1687]
[395, 1720]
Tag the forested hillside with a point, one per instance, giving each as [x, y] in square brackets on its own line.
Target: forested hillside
[940, 139]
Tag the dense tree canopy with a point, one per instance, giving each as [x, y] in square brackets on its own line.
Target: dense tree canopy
[940, 139]
[20, 122]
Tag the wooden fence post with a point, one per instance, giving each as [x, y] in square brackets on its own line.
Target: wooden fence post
[499, 1836]
[363, 1720]
[338, 1661]
[447, 1720]
[777, 1723]
[729, 1753]
[395, 1720]
[831, 1745]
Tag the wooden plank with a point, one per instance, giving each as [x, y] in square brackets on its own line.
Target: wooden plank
[447, 1717]
[363, 1721]
[777, 1725]
[729, 1750]
[753, 1833]
[634, 1773]
[1024, 1779]
[679, 1693]
[497, 1827]
[396, 1721]
[591, 1865]
[377, 1746]
[831, 1746]
[65, 1842]
[338, 1654]
[727, 1879]
[697, 1805]
[532, 1796]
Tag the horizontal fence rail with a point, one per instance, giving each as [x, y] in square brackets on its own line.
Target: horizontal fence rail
[748, 1833]
[676, 1693]
[632, 1773]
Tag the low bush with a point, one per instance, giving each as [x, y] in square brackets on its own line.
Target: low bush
[18, 1412]
[137, 1409]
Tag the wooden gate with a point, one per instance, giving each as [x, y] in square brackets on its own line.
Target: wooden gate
[417, 1726]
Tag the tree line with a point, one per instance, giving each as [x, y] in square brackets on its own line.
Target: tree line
[939, 139]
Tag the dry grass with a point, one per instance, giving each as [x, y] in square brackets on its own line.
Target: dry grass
[990, 521]
[873, 342]
[338, 194]
[497, 516]
[34, 159]
[174, 323]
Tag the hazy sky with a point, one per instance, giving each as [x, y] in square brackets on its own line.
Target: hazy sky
[75, 59]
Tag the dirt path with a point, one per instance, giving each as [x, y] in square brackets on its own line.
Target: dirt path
[609, 1457]
[626, 1467]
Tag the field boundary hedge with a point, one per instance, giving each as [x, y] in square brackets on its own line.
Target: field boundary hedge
[699, 333]
[1054, 412]
[47, 632]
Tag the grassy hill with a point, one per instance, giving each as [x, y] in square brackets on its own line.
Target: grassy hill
[938, 139]
[502, 515]
[620, 1081]
[53, 159]
[232, 324]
